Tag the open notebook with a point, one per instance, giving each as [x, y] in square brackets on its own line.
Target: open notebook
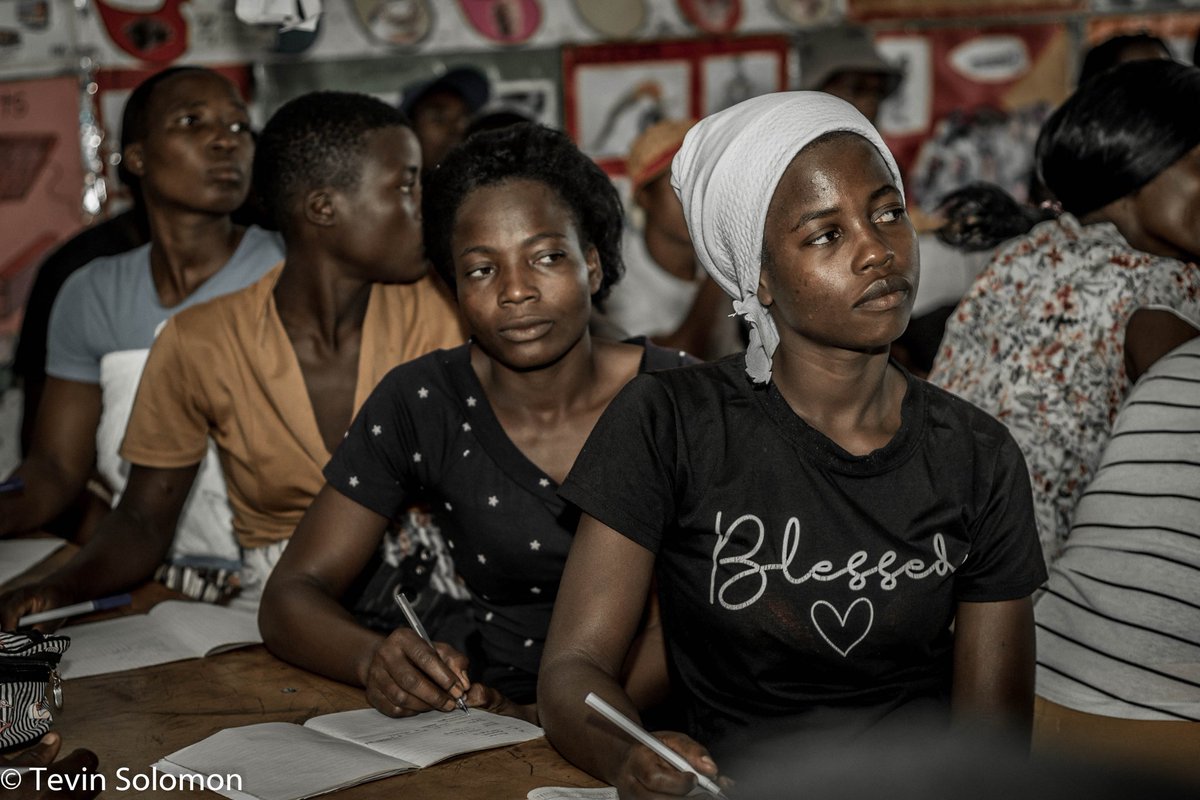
[173, 631]
[285, 761]
[20, 555]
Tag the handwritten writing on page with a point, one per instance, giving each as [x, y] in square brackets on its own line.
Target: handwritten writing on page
[172, 631]
[426, 739]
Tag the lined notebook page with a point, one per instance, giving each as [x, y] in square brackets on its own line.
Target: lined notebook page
[426, 738]
[284, 761]
[172, 631]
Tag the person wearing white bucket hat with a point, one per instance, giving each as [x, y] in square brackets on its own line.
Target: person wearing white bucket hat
[836, 543]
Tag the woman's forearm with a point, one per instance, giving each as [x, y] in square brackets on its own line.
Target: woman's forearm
[577, 732]
[301, 623]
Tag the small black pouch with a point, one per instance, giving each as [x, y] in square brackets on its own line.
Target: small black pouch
[30, 686]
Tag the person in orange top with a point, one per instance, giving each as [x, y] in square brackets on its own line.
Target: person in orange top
[275, 373]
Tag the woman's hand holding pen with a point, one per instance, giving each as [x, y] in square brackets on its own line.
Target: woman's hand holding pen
[30, 599]
[406, 676]
[644, 775]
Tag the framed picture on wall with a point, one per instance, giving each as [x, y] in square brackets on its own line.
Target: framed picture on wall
[611, 93]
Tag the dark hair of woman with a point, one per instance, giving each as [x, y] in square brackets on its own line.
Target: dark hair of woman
[1110, 138]
[534, 152]
[1111, 52]
[981, 215]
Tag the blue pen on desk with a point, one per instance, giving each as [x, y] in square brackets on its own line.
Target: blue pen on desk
[414, 622]
[104, 603]
[660, 749]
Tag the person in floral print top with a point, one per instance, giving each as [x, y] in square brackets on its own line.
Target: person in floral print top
[1053, 333]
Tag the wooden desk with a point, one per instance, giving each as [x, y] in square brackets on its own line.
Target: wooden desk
[132, 719]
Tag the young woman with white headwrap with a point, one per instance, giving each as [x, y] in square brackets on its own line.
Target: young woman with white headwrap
[816, 517]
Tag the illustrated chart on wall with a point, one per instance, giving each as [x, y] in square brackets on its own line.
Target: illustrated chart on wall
[611, 93]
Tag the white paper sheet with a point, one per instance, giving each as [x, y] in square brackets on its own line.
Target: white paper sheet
[284, 761]
[172, 631]
[572, 793]
[428, 738]
[19, 555]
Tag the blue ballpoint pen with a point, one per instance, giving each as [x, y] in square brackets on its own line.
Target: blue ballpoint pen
[414, 622]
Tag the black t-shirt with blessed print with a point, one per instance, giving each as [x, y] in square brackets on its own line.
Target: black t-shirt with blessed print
[428, 431]
[802, 587]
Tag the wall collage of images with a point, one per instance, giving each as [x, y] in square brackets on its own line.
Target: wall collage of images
[980, 76]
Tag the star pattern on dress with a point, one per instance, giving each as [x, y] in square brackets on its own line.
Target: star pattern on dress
[488, 616]
[535, 589]
[471, 401]
[448, 506]
[450, 542]
[544, 482]
[482, 558]
[353, 481]
[422, 393]
[493, 501]
[466, 426]
[535, 545]
[376, 429]
[417, 457]
[466, 453]
[529, 642]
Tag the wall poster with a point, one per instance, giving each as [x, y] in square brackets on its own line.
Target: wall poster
[971, 104]
[611, 93]
[41, 180]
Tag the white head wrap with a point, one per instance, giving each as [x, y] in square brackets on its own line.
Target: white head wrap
[725, 175]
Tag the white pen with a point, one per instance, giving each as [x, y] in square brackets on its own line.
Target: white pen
[116, 601]
[414, 622]
[654, 743]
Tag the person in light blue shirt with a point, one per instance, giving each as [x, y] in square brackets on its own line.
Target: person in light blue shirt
[186, 142]
[112, 304]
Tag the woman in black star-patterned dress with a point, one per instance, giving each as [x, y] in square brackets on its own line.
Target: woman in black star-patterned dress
[527, 231]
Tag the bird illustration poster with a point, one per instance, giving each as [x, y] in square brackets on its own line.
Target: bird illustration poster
[612, 92]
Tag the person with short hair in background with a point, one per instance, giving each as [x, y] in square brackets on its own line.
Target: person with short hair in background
[665, 293]
[275, 373]
[441, 110]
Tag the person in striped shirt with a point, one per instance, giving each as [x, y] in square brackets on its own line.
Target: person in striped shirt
[1118, 628]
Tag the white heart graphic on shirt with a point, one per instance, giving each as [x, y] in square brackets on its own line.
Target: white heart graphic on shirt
[842, 619]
